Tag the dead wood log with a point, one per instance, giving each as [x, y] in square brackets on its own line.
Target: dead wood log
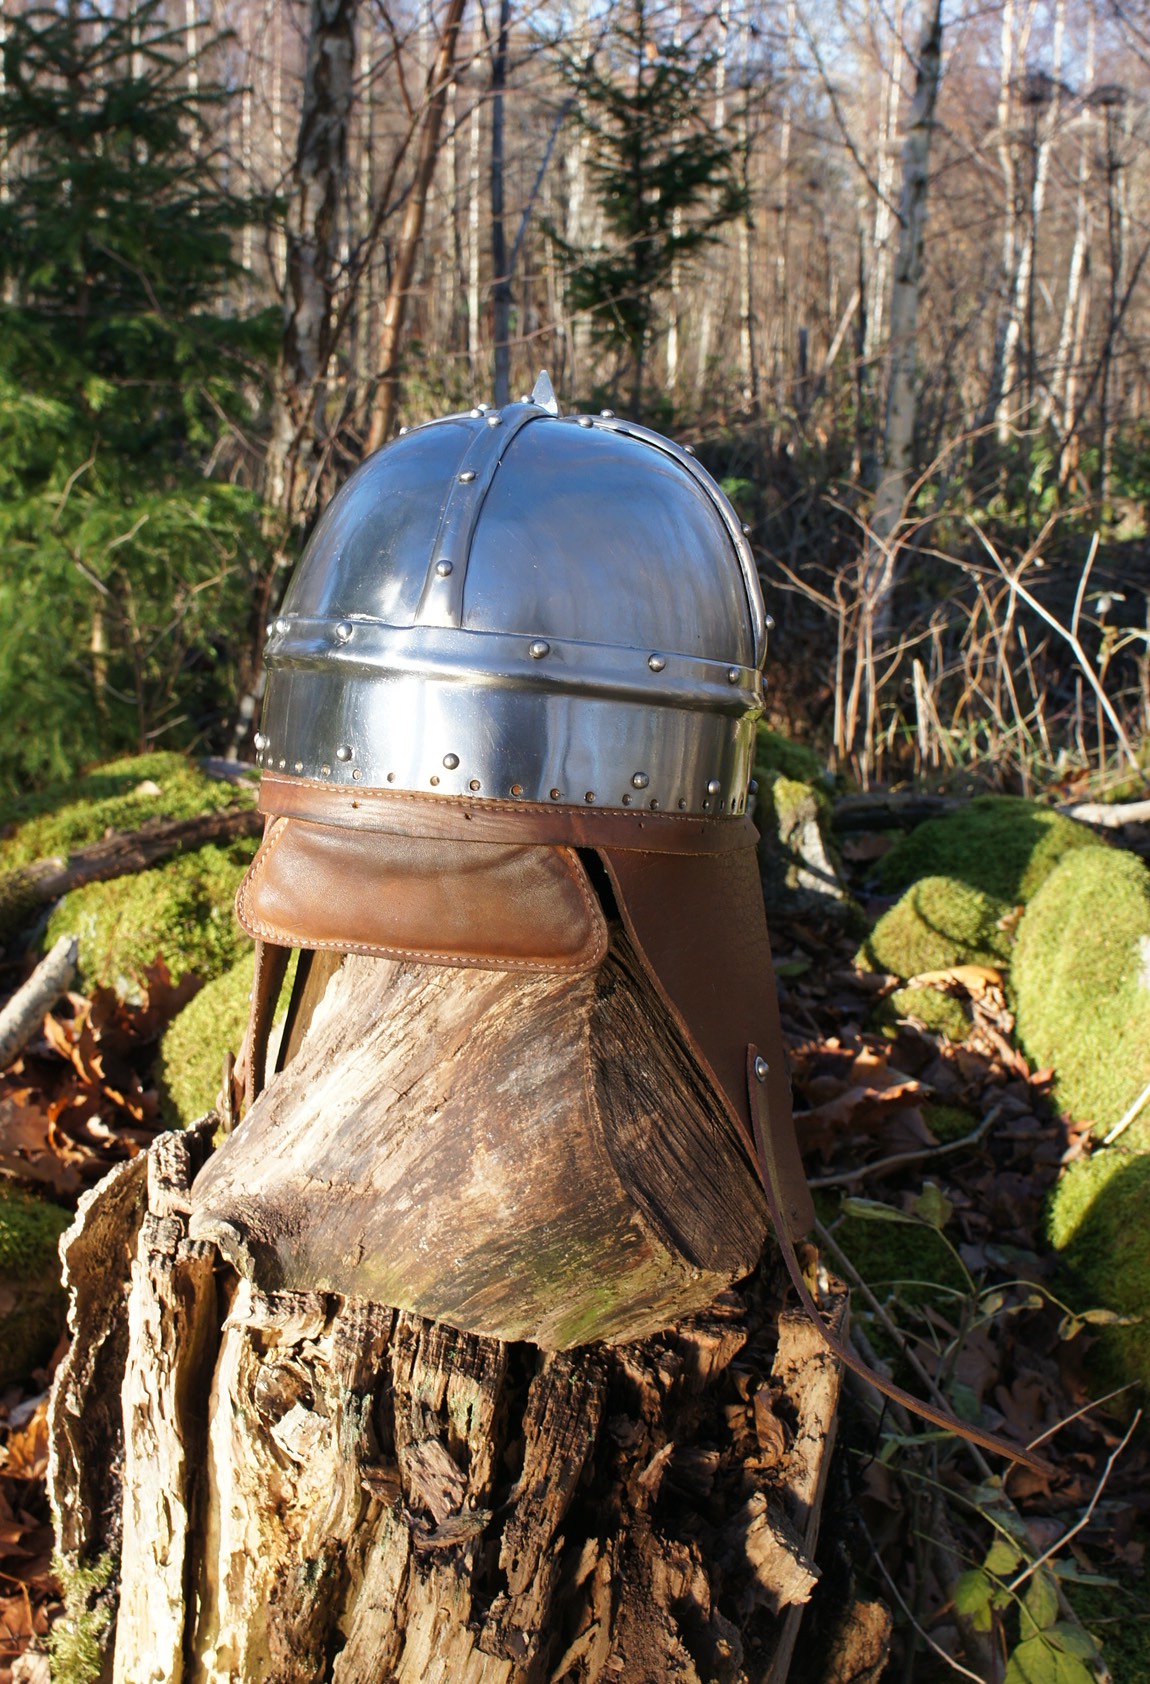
[319, 1483]
[26, 1010]
[25, 891]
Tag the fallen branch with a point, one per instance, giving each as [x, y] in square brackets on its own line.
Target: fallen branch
[1108, 815]
[899, 1160]
[24, 891]
[26, 1010]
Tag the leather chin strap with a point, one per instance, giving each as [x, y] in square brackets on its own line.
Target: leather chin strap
[767, 1166]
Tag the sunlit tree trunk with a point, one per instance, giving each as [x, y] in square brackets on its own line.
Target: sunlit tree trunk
[439, 78]
[501, 279]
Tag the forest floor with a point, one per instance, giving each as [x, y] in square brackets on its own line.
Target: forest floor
[931, 1162]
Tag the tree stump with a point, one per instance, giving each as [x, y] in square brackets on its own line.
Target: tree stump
[304, 1470]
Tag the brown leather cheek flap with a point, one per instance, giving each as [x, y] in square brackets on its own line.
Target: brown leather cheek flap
[442, 902]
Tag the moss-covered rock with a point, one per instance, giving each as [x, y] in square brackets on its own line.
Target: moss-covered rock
[192, 1050]
[181, 910]
[1097, 1219]
[122, 795]
[939, 921]
[1000, 844]
[32, 1301]
[1081, 983]
[775, 753]
[942, 1014]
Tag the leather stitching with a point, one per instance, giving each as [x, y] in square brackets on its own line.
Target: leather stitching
[258, 927]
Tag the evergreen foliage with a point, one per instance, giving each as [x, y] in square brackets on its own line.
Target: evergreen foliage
[664, 179]
[123, 373]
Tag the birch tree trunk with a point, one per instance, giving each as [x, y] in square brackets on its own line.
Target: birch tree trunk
[439, 78]
[299, 1482]
[880, 563]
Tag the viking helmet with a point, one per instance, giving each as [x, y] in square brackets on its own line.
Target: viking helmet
[515, 637]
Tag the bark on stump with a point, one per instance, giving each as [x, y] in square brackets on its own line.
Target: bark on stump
[302, 1476]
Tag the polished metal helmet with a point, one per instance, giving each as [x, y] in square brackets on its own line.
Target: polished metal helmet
[517, 605]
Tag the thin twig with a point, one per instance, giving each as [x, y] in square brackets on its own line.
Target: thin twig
[1085, 1410]
[1124, 1121]
[1061, 1543]
[956, 1666]
[897, 1160]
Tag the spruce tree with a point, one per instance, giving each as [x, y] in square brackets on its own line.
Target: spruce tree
[124, 373]
[664, 179]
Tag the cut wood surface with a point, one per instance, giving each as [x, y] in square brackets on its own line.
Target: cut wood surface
[524, 1157]
[319, 1488]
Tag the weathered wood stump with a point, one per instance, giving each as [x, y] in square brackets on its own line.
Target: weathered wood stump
[305, 1472]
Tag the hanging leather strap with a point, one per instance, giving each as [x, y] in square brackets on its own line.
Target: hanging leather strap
[757, 1076]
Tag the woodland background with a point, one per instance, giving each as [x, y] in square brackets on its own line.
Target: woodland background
[883, 268]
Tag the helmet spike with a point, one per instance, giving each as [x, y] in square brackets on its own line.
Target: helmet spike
[543, 394]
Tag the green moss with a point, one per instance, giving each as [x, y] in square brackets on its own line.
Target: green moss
[32, 1301]
[940, 921]
[192, 1051]
[1097, 1219]
[182, 910]
[775, 753]
[948, 1122]
[57, 820]
[1081, 983]
[942, 1014]
[77, 1643]
[1118, 1619]
[1000, 844]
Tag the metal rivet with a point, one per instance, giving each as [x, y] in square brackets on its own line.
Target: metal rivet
[714, 787]
[445, 569]
[283, 763]
[761, 1069]
[299, 765]
[682, 805]
[494, 420]
[260, 740]
[555, 794]
[357, 773]
[690, 449]
[753, 787]
[706, 806]
[626, 801]
[640, 780]
[434, 781]
[656, 662]
[654, 806]
[475, 784]
[769, 622]
[732, 675]
[590, 795]
[607, 414]
[477, 413]
[586, 421]
[325, 771]
[517, 789]
[391, 777]
[343, 631]
[482, 408]
[343, 752]
[539, 648]
[746, 529]
[403, 432]
[281, 626]
[451, 761]
[467, 476]
[525, 398]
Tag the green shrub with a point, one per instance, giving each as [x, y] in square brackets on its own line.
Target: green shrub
[1081, 983]
[1000, 844]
